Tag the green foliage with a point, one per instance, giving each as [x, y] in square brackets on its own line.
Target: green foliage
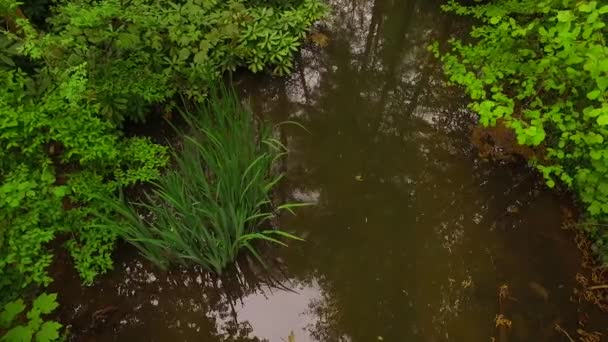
[29, 201]
[35, 327]
[541, 69]
[70, 80]
[217, 198]
[145, 51]
[46, 135]
[140, 161]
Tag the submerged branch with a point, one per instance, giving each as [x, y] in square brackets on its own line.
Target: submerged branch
[598, 287]
[560, 329]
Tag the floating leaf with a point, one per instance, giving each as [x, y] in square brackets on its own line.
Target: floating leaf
[319, 39]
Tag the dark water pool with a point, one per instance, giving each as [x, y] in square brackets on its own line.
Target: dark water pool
[412, 236]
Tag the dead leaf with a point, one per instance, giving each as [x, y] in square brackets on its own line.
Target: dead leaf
[319, 39]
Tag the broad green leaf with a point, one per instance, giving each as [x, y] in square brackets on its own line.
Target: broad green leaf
[46, 303]
[595, 154]
[61, 191]
[49, 331]
[602, 82]
[587, 7]
[200, 57]
[19, 333]
[594, 208]
[603, 187]
[592, 18]
[11, 310]
[602, 120]
[184, 54]
[565, 16]
[592, 95]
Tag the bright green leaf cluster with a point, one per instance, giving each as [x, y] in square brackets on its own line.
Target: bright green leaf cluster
[146, 51]
[49, 138]
[35, 327]
[541, 69]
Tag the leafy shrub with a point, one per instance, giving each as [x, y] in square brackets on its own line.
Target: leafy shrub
[217, 198]
[541, 69]
[146, 51]
[30, 212]
[35, 329]
[49, 134]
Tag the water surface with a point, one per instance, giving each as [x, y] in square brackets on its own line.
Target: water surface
[412, 234]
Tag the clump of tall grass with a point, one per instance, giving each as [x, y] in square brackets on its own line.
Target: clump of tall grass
[215, 201]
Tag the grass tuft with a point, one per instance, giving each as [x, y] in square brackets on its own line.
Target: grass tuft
[216, 200]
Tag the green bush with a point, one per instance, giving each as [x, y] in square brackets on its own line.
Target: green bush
[541, 69]
[216, 199]
[146, 51]
[48, 136]
[35, 328]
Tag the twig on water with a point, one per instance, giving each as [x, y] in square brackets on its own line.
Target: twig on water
[560, 329]
[598, 287]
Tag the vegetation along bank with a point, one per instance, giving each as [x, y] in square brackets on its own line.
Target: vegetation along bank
[540, 69]
[74, 73]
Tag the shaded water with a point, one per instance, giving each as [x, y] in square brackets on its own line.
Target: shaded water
[411, 235]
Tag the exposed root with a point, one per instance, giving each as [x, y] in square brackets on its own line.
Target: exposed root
[561, 330]
[593, 287]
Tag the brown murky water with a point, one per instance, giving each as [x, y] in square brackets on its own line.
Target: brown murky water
[411, 236]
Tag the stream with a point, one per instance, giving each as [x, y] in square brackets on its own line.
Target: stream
[413, 236]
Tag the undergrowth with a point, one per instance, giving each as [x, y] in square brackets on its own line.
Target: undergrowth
[540, 68]
[33, 326]
[72, 73]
